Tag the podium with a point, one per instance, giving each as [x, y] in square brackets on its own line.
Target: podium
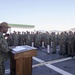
[21, 60]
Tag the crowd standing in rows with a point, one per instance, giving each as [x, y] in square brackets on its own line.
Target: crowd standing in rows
[65, 40]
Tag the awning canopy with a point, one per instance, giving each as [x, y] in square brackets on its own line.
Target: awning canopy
[21, 26]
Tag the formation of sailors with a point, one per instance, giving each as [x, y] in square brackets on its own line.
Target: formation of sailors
[65, 41]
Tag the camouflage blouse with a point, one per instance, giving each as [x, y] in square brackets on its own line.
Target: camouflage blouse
[3, 48]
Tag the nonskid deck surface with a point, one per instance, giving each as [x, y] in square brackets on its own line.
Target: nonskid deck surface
[49, 64]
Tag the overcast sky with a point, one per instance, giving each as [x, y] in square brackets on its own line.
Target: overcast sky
[44, 14]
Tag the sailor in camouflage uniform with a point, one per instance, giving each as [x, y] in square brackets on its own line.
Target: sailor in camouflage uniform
[62, 44]
[4, 51]
[71, 44]
[53, 42]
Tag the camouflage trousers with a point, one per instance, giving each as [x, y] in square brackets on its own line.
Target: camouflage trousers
[2, 68]
[3, 58]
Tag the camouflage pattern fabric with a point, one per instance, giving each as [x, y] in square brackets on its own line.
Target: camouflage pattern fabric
[3, 53]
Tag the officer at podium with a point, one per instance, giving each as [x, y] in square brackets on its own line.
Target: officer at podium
[4, 51]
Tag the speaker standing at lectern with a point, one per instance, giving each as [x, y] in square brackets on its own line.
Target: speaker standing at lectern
[4, 51]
